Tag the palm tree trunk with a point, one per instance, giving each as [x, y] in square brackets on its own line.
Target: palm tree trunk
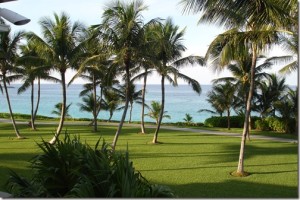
[63, 109]
[228, 119]
[130, 112]
[143, 104]
[99, 109]
[240, 169]
[162, 109]
[38, 101]
[95, 105]
[32, 105]
[125, 110]
[110, 115]
[9, 107]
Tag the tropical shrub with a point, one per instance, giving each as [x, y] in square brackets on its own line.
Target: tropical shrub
[275, 124]
[262, 125]
[235, 121]
[72, 169]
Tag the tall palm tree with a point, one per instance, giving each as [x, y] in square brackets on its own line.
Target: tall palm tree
[168, 42]
[60, 46]
[33, 68]
[253, 26]
[122, 24]
[8, 55]
[95, 68]
[146, 61]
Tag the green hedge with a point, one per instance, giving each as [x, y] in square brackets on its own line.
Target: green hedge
[235, 121]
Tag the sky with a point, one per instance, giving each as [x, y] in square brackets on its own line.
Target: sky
[197, 37]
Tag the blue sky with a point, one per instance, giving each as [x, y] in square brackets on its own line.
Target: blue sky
[197, 37]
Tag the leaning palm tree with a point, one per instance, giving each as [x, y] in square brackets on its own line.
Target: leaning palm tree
[8, 55]
[168, 42]
[33, 68]
[60, 46]
[122, 24]
[252, 28]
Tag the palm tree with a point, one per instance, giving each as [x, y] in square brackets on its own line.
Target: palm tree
[241, 70]
[134, 97]
[188, 119]
[213, 99]
[155, 111]
[111, 101]
[89, 104]
[60, 46]
[33, 68]
[252, 27]
[57, 110]
[146, 61]
[8, 55]
[122, 24]
[226, 99]
[168, 42]
[270, 91]
[96, 68]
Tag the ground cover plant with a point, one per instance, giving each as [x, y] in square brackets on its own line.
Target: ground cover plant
[191, 164]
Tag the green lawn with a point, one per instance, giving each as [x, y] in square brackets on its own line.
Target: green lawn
[192, 164]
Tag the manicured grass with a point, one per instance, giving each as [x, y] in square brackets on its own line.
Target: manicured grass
[192, 164]
[252, 132]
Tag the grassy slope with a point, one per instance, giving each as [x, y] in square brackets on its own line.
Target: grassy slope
[192, 164]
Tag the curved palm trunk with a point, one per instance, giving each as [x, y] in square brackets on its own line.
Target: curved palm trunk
[38, 101]
[10, 109]
[32, 105]
[110, 115]
[125, 110]
[240, 169]
[63, 109]
[162, 109]
[143, 104]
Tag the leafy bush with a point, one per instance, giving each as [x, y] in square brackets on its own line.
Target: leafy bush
[275, 124]
[262, 125]
[72, 169]
[235, 121]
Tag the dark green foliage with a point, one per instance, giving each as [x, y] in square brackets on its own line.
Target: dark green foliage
[235, 121]
[262, 125]
[276, 124]
[72, 169]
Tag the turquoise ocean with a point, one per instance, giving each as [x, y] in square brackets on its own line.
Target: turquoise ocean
[179, 101]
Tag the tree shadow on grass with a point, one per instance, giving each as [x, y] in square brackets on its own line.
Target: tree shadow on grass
[234, 189]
